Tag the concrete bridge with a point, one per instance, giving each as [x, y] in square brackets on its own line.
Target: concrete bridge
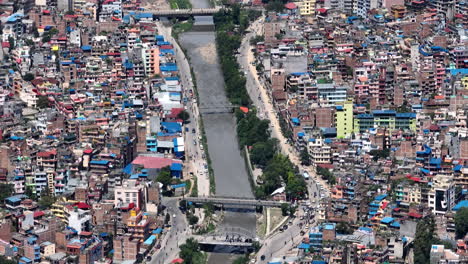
[217, 109]
[238, 202]
[184, 12]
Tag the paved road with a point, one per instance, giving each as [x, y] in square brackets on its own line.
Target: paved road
[229, 167]
[194, 154]
[262, 100]
[173, 237]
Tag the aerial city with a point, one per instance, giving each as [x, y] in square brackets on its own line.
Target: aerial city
[233, 131]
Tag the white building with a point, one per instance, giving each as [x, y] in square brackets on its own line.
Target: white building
[441, 198]
[79, 220]
[131, 191]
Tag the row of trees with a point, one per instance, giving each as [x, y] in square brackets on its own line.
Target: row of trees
[252, 131]
[326, 175]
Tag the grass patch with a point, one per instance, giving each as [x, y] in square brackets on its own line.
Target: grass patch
[180, 4]
[207, 229]
[194, 192]
[181, 27]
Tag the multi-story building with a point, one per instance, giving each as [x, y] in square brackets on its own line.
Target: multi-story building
[79, 219]
[344, 119]
[307, 7]
[331, 93]
[388, 119]
[441, 197]
[131, 191]
[319, 151]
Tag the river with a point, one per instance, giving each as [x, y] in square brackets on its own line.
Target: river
[229, 167]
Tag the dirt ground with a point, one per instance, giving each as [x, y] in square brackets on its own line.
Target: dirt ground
[155, 4]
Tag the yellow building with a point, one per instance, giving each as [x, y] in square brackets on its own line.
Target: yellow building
[344, 120]
[307, 7]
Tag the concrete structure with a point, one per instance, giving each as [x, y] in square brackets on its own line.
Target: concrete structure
[442, 194]
[344, 119]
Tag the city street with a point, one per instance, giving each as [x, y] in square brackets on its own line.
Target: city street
[262, 100]
[193, 153]
[172, 237]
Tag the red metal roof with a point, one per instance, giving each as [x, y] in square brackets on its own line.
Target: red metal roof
[154, 162]
[415, 215]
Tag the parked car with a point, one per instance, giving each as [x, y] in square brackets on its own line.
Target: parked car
[193, 130]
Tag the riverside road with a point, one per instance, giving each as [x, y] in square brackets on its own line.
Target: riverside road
[229, 167]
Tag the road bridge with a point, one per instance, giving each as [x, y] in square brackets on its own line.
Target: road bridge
[183, 12]
[238, 202]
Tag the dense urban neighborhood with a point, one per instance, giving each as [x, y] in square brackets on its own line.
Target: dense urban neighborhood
[234, 131]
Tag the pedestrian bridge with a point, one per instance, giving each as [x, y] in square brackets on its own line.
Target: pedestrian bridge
[184, 12]
[231, 201]
[217, 109]
[227, 236]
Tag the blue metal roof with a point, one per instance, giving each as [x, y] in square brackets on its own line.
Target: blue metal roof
[380, 197]
[384, 112]
[460, 205]
[176, 167]
[99, 162]
[406, 115]
[387, 220]
[171, 127]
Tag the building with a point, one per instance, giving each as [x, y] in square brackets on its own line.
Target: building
[388, 119]
[79, 219]
[319, 151]
[307, 7]
[344, 119]
[131, 191]
[441, 197]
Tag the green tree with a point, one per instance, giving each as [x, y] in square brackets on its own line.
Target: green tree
[263, 152]
[380, 154]
[190, 252]
[285, 209]
[461, 222]
[276, 6]
[305, 157]
[193, 219]
[42, 102]
[46, 199]
[28, 77]
[5, 260]
[184, 115]
[256, 39]
[424, 239]
[241, 260]
[295, 186]
[6, 190]
[11, 41]
[344, 228]
[164, 176]
[29, 192]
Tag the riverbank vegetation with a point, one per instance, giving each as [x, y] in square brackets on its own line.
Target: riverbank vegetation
[252, 132]
[180, 4]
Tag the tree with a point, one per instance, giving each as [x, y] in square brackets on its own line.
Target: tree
[46, 199]
[184, 115]
[256, 39]
[263, 152]
[424, 239]
[305, 157]
[42, 102]
[190, 252]
[344, 228]
[461, 222]
[193, 219]
[167, 218]
[29, 192]
[241, 260]
[380, 153]
[5, 260]
[11, 41]
[28, 77]
[295, 186]
[164, 176]
[276, 6]
[6, 190]
[285, 209]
